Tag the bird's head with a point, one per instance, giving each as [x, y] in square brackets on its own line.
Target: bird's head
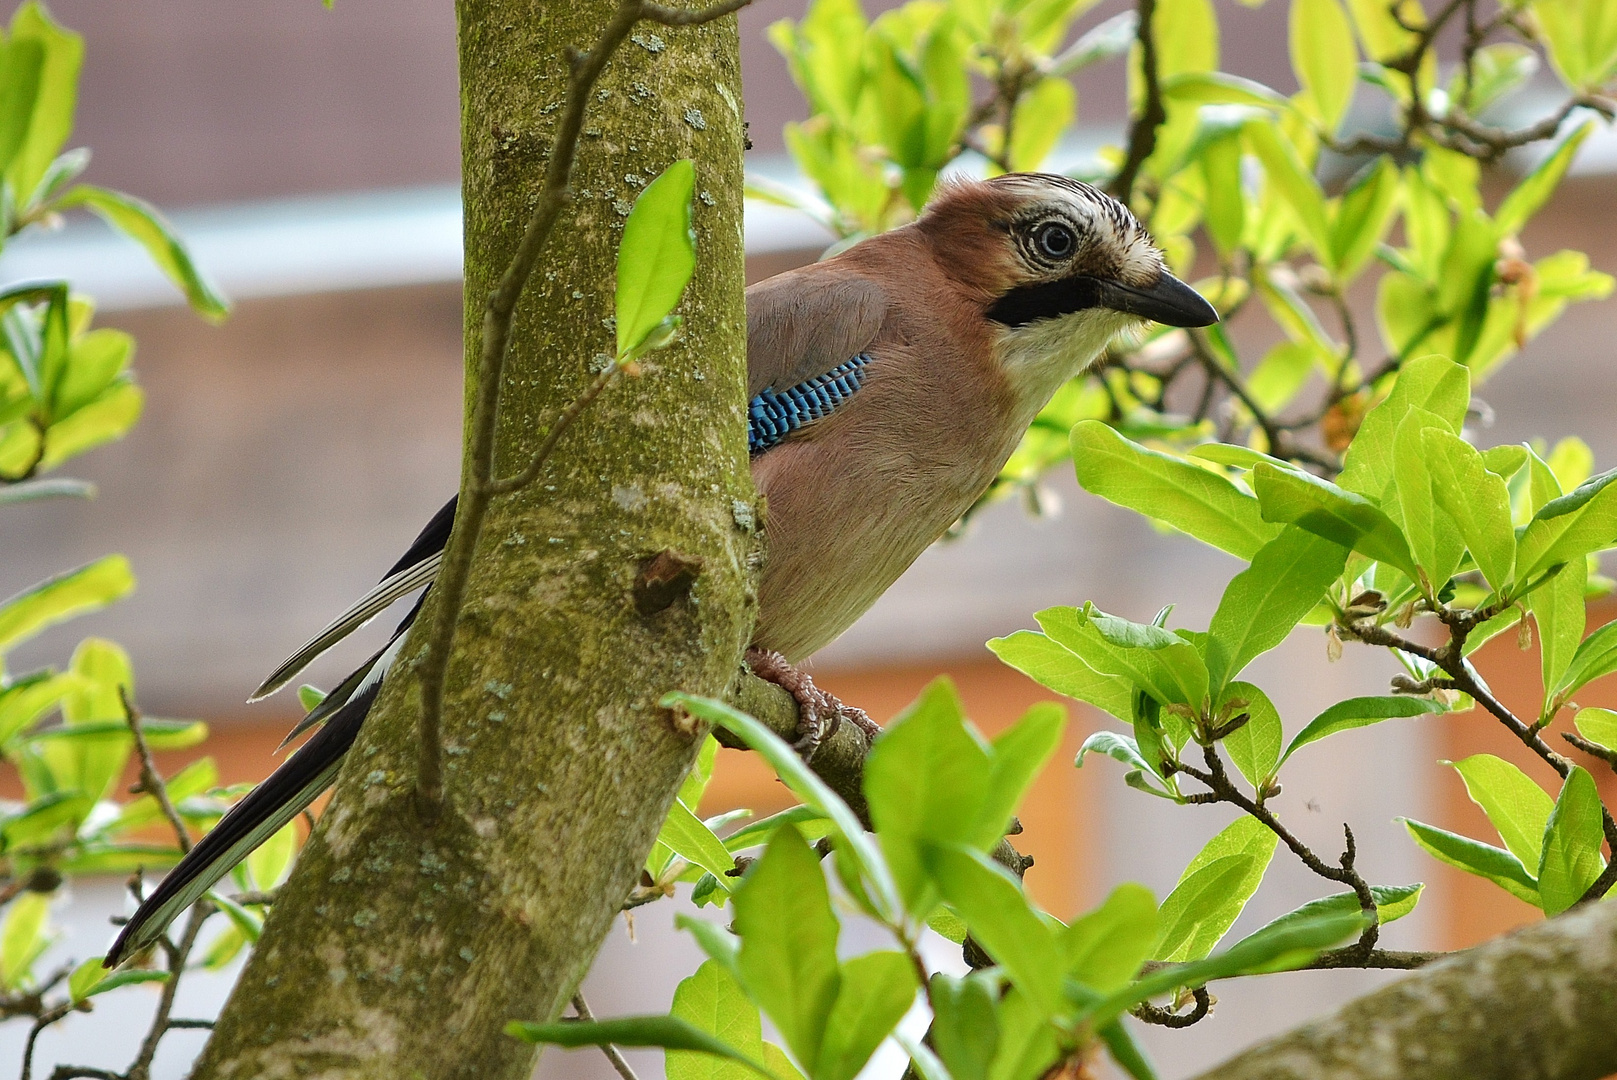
[1060, 268]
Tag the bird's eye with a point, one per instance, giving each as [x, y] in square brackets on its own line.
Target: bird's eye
[1054, 240]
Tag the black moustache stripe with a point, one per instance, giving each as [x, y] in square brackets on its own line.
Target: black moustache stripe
[1030, 303]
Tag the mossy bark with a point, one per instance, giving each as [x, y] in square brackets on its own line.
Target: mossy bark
[401, 948]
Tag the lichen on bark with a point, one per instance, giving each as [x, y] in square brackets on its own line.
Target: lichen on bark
[401, 947]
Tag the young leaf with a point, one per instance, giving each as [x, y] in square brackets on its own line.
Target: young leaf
[1363, 218]
[1293, 181]
[61, 53]
[1571, 860]
[1263, 603]
[1393, 902]
[1476, 500]
[1120, 748]
[1559, 611]
[878, 988]
[1162, 663]
[926, 781]
[1105, 947]
[1474, 857]
[1595, 656]
[1255, 745]
[664, 1031]
[1516, 806]
[788, 957]
[1357, 713]
[1536, 187]
[23, 938]
[1054, 666]
[1129, 1054]
[91, 978]
[20, 65]
[656, 256]
[965, 1029]
[1192, 499]
[797, 776]
[687, 836]
[1334, 513]
[1576, 524]
[1323, 56]
[88, 588]
[141, 222]
[1213, 890]
[1434, 383]
[1020, 752]
[1599, 726]
[711, 1001]
[1002, 920]
[1434, 540]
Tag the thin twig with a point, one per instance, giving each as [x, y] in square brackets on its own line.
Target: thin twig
[151, 781]
[1152, 1014]
[1152, 115]
[177, 956]
[582, 1010]
[498, 315]
[44, 1021]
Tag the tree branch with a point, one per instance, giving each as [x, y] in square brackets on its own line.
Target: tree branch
[1152, 115]
[1465, 1016]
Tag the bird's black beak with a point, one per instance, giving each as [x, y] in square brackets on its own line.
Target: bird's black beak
[1170, 302]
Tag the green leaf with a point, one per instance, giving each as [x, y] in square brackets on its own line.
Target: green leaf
[141, 222]
[878, 988]
[802, 781]
[53, 488]
[1042, 115]
[1496, 70]
[23, 938]
[1225, 211]
[51, 119]
[1120, 748]
[1052, 665]
[926, 781]
[808, 821]
[1599, 726]
[1596, 656]
[1129, 1054]
[656, 256]
[1158, 661]
[89, 588]
[21, 63]
[1516, 806]
[1331, 512]
[1536, 187]
[1582, 39]
[1393, 902]
[1571, 859]
[1213, 890]
[717, 942]
[1192, 499]
[1293, 181]
[28, 698]
[1505, 461]
[249, 925]
[685, 834]
[1477, 501]
[1474, 857]
[1365, 214]
[1254, 747]
[1020, 753]
[1105, 947]
[1002, 920]
[1570, 527]
[1281, 949]
[199, 776]
[664, 1031]
[1220, 88]
[1262, 603]
[965, 1027]
[1323, 56]
[270, 861]
[309, 697]
[1434, 540]
[1356, 713]
[108, 417]
[713, 1002]
[1558, 609]
[788, 957]
[90, 979]
[43, 819]
[1433, 383]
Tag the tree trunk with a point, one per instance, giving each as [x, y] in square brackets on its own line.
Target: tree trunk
[1539, 1004]
[401, 948]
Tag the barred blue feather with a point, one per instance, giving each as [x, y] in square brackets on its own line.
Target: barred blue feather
[775, 414]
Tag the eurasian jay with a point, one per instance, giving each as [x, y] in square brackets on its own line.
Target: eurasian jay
[888, 386]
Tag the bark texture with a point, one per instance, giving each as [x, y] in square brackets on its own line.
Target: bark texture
[399, 948]
[1539, 1004]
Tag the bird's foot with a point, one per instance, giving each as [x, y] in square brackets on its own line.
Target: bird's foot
[819, 714]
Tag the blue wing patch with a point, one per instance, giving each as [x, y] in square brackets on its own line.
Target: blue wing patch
[775, 414]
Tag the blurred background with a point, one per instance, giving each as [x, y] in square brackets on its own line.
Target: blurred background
[285, 458]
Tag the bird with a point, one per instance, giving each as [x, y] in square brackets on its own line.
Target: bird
[887, 386]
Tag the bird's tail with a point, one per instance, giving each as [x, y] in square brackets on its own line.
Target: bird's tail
[269, 806]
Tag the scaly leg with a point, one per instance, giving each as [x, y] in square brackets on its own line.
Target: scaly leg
[819, 714]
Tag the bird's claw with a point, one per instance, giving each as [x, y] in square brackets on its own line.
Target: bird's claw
[819, 714]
